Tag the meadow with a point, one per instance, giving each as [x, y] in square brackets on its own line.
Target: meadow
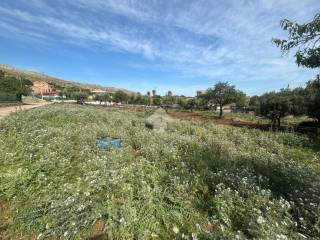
[197, 180]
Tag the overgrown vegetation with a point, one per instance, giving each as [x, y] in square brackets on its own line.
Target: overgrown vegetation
[297, 102]
[194, 181]
[13, 85]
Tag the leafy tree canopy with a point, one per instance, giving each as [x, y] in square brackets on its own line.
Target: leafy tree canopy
[305, 37]
[80, 96]
[241, 99]
[276, 105]
[120, 96]
[104, 97]
[221, 94]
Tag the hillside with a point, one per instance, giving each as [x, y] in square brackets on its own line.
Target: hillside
[35, 76]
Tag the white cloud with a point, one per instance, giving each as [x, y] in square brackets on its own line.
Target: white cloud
[224, 40]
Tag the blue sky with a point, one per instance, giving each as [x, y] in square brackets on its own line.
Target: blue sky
[178, 45]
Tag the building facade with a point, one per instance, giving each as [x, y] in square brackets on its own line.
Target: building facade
[43, 88]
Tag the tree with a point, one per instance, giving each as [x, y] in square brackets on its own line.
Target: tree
[14, 85]
[64, 93]
[104, 97]
[120, 96]
[80, 96]
[181, 101]
[299, 101]
[201, 103]
[191, 104]
[221, 94]
[313, 98]
[276, 105]
[157, 100]
[169, 99]
[240, 99]
[305, 37]
[254, 104]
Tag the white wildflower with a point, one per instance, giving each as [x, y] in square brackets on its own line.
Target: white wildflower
[175, 229]
[281, 237]
[194, 236]
[261, 220]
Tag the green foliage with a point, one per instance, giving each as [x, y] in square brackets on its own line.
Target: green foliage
[75, 93]
[221, 94]
[120, 96]
[251, 212]
[169, 99]
[254, 104]
[104, 97]
[191, 104]
[80, 96]
[12, 85]
[275, 105]
[297, 102]
[304, 36]
[240, 99]
[313, 98]
[156, 100]
[192, 181]
[139, 99]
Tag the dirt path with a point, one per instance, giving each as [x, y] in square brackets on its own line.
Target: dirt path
[221, 121]
[5, 111]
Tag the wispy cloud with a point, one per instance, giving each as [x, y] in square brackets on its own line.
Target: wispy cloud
[226, 40]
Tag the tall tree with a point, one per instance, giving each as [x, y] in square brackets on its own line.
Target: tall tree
[305, 37]
[221, 94]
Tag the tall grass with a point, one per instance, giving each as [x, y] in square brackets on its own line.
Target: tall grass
[195, 181]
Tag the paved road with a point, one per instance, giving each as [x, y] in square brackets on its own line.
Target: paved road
[5, 111]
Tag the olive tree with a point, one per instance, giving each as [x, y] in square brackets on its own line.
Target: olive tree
[221, 94]
[275, 105]
[121, 96]
[80, 96]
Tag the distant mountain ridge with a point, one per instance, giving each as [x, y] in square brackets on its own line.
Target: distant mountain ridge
[35, 76]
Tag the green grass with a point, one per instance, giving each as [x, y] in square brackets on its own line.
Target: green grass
[197, 180]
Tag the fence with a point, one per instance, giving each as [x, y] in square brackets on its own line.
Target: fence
[8, 97]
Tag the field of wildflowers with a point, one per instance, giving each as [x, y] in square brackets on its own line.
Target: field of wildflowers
[194, 181]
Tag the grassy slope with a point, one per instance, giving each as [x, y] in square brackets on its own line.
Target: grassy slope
[194, 180]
